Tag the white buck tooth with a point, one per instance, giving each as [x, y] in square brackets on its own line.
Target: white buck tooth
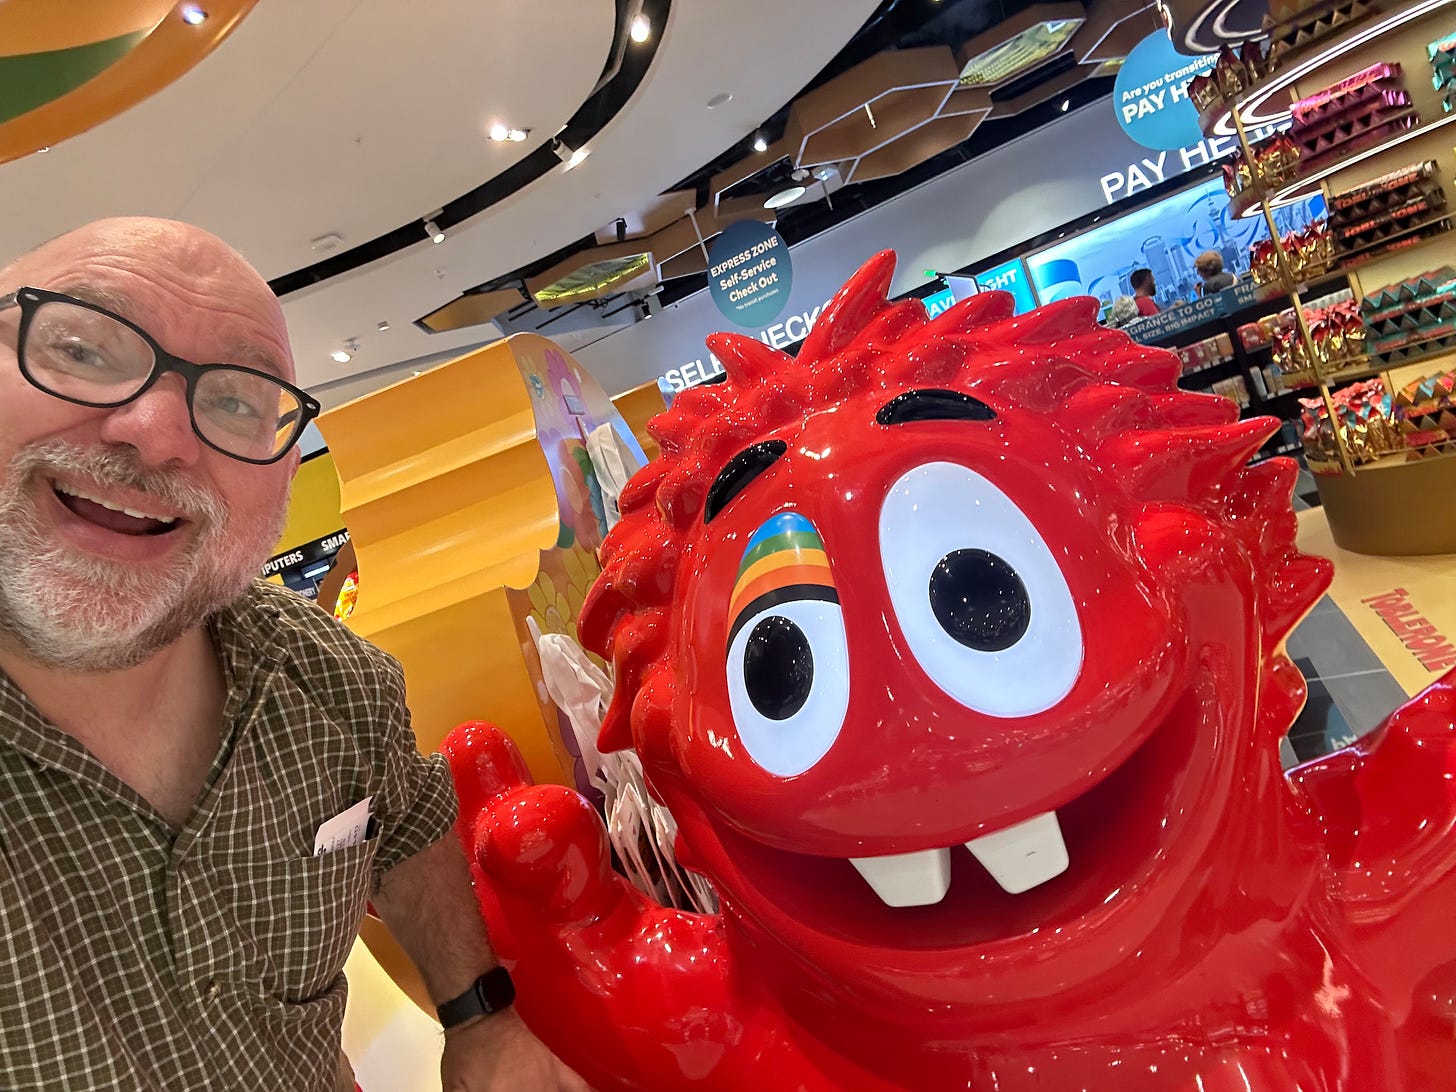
[1024, 856]
[907, 879]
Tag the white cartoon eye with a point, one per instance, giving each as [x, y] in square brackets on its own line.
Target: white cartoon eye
[980, 599]
[788, 658]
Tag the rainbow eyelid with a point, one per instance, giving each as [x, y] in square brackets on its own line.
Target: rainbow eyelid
[784, 561]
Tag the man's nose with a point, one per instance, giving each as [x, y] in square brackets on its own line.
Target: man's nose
[158, 425]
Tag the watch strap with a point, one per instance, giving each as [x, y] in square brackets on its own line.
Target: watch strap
[490, 993]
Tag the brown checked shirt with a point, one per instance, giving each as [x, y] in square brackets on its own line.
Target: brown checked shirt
[135, 956]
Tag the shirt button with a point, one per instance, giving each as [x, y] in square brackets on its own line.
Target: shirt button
[209, 992]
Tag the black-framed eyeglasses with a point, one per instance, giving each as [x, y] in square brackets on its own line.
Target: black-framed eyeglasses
[84, 354]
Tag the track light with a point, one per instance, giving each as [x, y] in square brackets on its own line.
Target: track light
[641, 29]
[572, 158]
[433, 232]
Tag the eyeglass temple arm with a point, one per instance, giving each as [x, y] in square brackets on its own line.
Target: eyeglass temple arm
[9, 300]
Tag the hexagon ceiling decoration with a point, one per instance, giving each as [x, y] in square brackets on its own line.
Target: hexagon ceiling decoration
[887, 114]
[62, 76]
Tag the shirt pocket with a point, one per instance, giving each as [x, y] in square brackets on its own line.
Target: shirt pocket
[320, 902]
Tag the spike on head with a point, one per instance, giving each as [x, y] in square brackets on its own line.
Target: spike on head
[853, 308]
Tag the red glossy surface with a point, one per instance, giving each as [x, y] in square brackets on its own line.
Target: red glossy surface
[1220, 925]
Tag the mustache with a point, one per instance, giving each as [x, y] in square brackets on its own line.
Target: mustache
[120, 466]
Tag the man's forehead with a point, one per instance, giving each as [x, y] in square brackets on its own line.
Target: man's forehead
[152, 278]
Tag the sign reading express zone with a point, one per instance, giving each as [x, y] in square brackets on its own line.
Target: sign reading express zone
[749, 273]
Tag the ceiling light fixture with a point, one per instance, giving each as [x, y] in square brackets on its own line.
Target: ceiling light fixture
[784, 197]
[340, 356]
[384, 327]
[1066, 105]
[759, 144]
[193, 16]
[564, 152]
[499, 132]
[433, 232]
[42, 151]
[824, 174]
[641, 29]
[503, 133]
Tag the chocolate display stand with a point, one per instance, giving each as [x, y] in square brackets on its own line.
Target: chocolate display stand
[1388, 229]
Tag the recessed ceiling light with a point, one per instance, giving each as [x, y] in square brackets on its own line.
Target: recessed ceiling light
[503, 133]
[759, 144]
[784, 197]
[384, 327]
[641, 29]
[515, 136]
[499, 132]
[723, 98]
[419, 373]
[193, 16]
[341, 356]
[1066, 105]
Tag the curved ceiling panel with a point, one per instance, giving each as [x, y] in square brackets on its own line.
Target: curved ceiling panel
[761, 52]
[335, 117]
[63, 76]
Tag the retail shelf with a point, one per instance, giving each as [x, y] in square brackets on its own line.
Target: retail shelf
[1423, 358]
[1297, 187]
[1253, 103]
[1353, 259]
[1400, 458]
[1345, 375]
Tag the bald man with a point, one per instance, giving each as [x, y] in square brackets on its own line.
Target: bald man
[203, 779]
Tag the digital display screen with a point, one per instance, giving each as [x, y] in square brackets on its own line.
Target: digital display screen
[1166, 237]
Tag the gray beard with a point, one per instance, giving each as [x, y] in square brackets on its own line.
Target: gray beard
[71, 611]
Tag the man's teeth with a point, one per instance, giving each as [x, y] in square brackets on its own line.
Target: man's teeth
[1024, 856]
[71, 491]
[907, 879]
[1018, 858]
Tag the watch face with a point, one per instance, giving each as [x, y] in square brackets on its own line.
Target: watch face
[495, 989]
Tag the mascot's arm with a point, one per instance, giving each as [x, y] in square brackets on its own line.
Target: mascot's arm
[628, 993]
[1388, 801]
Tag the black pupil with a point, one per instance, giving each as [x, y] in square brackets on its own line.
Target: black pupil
[979, 600]
[778, 668]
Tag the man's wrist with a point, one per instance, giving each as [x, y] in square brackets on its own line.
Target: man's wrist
[491, 993]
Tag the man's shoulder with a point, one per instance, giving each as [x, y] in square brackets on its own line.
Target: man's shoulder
[282, 621]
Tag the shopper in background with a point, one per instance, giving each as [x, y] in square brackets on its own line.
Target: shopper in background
[1210, 268]
[1142, 291]
[1124, 310]
[175, 735]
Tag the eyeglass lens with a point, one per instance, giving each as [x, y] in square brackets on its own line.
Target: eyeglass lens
[85, 356]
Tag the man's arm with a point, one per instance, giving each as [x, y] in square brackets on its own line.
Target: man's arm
[429, 905]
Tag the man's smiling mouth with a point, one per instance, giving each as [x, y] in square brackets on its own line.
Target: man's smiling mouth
[112, 516]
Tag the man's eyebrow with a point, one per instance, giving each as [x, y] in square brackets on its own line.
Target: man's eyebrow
[933, 405]
[739, 473]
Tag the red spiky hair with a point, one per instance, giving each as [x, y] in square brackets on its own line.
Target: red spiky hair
[1159, 444]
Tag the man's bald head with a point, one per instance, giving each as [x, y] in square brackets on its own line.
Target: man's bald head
[164, 266]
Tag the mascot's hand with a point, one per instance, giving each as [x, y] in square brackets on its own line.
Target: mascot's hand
[539, 844]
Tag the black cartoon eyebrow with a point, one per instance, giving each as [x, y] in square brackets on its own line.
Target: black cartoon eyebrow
[933, 405]
[739, 473]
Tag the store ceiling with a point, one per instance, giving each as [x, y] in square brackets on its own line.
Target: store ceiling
[323, 133]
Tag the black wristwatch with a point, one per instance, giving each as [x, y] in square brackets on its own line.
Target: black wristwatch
[491, 992]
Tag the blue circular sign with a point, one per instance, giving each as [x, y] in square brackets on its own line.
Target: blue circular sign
[749, 273]
[1151, 94]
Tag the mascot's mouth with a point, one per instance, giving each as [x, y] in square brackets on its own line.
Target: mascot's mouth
[1036, 876]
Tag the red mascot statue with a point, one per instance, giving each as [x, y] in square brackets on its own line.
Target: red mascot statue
[956, 649]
